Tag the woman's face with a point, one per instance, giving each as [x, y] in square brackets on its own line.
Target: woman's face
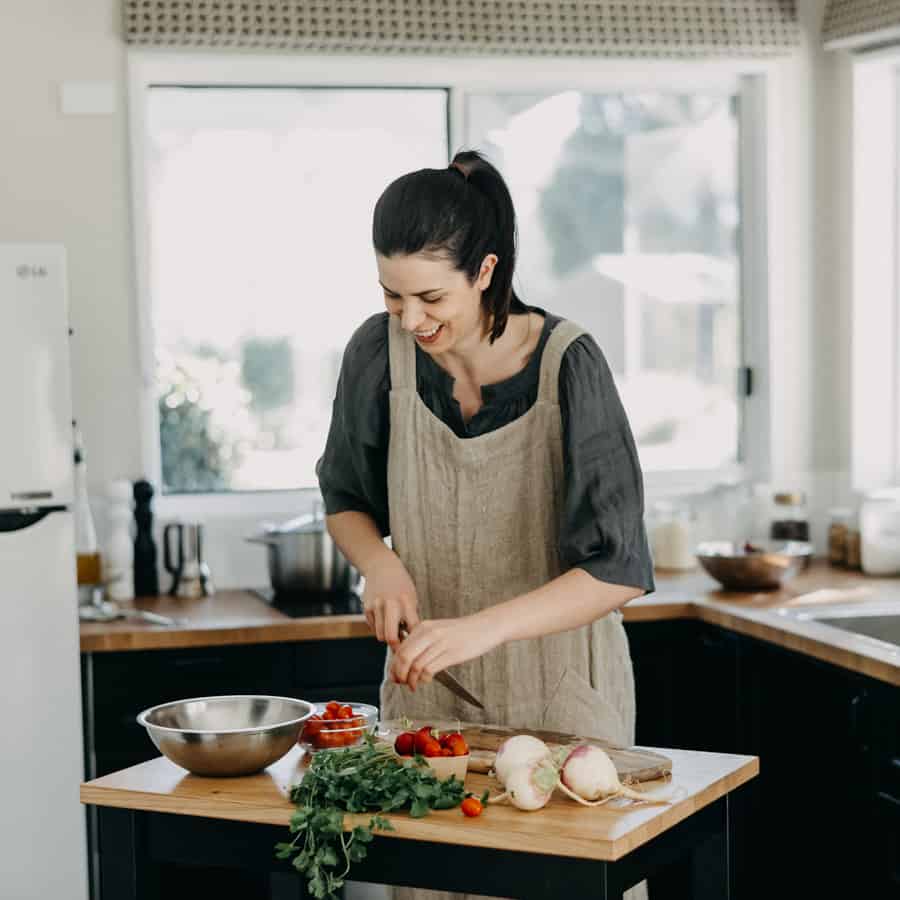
[435, 302]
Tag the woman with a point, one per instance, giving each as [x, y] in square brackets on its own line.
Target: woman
[487, 438]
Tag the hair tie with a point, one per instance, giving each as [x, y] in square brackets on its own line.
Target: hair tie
[458, 168]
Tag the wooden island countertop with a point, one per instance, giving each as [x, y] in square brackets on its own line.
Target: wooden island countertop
[243, 617]
[563, 828]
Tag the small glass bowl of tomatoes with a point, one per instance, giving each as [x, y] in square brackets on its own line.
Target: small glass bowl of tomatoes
[337, 724]
[444, 748]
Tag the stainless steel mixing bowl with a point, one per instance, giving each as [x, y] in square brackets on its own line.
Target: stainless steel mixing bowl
[231, 735]
[765, 567]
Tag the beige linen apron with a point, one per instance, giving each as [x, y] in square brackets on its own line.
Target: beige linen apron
[476, 521]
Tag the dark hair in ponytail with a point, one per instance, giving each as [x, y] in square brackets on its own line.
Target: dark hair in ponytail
[464, 212]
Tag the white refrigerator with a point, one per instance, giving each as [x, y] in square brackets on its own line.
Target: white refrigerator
[42, 825]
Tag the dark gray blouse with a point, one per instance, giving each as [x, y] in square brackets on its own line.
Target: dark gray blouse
[602, 529]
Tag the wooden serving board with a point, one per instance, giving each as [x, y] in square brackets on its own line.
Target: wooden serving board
[633, 765]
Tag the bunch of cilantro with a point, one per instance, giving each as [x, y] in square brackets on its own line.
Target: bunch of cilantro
[365, 778]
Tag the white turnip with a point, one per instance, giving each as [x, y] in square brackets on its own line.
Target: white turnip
[589, 776]
[516, 752]
[530, 786]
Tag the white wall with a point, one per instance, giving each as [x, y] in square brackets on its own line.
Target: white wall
[809, 254]
[65, 178]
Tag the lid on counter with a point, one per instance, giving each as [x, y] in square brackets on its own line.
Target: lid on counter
[790, 498]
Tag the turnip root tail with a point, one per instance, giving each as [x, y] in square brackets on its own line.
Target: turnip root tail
[623, 791]
[582, 801]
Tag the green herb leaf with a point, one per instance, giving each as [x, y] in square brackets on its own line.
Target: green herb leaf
[365, 778]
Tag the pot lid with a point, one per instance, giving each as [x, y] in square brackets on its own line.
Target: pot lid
[307, 524]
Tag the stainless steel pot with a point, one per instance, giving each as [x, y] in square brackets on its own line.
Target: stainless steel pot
[303, 558]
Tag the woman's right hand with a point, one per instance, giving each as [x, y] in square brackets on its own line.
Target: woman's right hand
[390, 598]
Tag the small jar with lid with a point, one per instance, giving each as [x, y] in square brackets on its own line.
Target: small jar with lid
[671, 535]
[790, 518]
[853, 559]
[839, 520]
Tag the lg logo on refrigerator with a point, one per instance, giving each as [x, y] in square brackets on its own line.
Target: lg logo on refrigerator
[24, 270]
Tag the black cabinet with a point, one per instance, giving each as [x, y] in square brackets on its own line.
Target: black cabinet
[883, 796]
[687, 685]
[823, 817]
[809, 730]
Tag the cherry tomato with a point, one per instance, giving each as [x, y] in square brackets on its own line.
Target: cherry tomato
[312, 727]
[423, 736]
[458, 745]
[345, 712]
[405, 744]
[431, 748]
[472, 807]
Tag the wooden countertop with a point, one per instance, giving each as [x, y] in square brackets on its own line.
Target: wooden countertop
[771, 615]
[241, 617]
[229, 617]
[563, 828]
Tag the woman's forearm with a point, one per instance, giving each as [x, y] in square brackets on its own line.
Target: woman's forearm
[570, 601]
[358, 538]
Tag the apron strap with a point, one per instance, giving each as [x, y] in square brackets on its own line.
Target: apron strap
[554, 350]
[402, 354]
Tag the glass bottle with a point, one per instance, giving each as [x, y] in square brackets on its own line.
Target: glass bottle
[790, 520]
[87, 552]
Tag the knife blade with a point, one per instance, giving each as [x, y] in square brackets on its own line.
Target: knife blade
[448, 681]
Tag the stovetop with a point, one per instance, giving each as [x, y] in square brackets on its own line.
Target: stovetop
[308, 605]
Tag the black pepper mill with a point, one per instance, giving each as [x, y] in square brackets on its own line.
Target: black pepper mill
[146, 578]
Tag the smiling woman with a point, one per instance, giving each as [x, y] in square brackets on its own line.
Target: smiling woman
[487, 438]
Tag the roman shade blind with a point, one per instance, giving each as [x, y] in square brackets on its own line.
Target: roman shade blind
[858, 24]
[668, 28]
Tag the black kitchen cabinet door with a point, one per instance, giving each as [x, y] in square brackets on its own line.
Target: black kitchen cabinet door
[711, 708]
[883, 722]
[809, 729]
[337, 664]
[658, 651]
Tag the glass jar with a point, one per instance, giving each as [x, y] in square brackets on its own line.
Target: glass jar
[671, 535]
[790, 519]
[838, 534]
[854, 543]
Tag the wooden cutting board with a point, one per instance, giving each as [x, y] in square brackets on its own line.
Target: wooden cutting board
[633, 765]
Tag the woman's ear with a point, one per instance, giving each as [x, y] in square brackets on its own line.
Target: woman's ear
[483, 282]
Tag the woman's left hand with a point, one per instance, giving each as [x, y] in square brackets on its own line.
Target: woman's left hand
[436, 644]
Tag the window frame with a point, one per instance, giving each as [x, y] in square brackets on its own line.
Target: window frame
[751, 79]
[875, 257]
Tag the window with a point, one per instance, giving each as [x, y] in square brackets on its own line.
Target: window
[259, 205]
[255, 183]
[628, 219]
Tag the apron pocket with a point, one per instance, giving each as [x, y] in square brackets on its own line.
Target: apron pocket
[576, 708]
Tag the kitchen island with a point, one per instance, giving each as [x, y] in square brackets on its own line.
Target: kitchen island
[156, 813]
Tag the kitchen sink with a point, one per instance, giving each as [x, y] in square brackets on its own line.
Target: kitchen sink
[882, 628]
[879, 621]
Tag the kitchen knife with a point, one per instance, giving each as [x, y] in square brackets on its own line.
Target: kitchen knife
[448, 681]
